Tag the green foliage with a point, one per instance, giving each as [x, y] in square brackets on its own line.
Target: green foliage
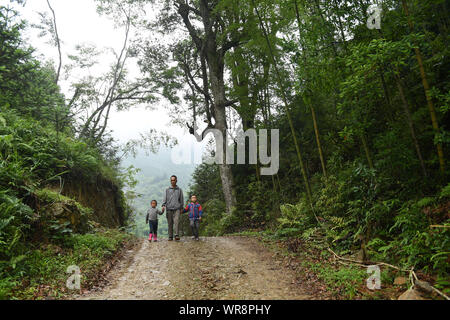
[383, 190]
[294, 219]
[445, 192]
[343, 281]
[99, 244]
[418, 244]
[48, 264]
[215, 220]
[14, 219]
[395, 232]
[39, 152]
[443, 283]
[59, 215]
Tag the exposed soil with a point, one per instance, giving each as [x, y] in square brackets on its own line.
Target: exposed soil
[212, 268]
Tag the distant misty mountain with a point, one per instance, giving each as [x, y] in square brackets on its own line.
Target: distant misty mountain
[153, 179]
[159, 167]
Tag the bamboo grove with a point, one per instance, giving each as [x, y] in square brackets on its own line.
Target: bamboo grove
[363, 118]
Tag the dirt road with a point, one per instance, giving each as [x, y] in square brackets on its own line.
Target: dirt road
[213, 268]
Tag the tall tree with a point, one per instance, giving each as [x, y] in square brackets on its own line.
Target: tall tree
[286, 104]
[212, 43]
[427, 89]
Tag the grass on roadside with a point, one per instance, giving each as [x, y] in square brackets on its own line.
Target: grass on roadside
[316, 266]
[43, 271]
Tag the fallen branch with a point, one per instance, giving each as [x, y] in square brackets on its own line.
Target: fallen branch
[349, 260]
[430, 286]
[440, 293]
[412, 274]
[365, 264]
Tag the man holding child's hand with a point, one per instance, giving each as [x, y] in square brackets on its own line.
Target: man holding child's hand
[173, 201]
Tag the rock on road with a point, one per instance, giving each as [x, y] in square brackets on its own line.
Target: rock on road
[221, 268]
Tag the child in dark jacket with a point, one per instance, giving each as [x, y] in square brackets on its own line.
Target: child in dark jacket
[152, 219]
[195, 215]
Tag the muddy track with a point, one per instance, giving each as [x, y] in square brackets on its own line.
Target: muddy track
[213, 268]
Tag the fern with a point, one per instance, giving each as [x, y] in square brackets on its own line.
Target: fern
[425, 202]
[445, 192]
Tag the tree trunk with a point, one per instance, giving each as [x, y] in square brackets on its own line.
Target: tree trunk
[426, 86]
[319, 145]
[308, 100]
[386, 94]
[58, 42]
[366, 150]
[316, 131]
[208, 48]
[410, 123]
[286, 107]
[216, 69]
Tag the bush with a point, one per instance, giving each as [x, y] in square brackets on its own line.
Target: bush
[342, 281]
[294, 220]
[356, 211]
[44, 268]
[213, 211]
[32, 157]
[417, 243]
[14, 224]
[59, 214]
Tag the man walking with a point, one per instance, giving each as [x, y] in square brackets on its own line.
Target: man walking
[174, 203]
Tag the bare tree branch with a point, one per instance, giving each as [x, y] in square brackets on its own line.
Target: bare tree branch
[57, 40]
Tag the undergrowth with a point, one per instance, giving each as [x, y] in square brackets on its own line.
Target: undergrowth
[42, 273]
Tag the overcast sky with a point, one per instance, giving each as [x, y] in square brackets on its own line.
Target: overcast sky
[78, 22]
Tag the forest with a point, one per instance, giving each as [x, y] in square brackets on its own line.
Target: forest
[363, 117]
[363, 114]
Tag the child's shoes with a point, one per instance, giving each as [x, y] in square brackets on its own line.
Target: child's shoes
[155, 239]
[150, 237]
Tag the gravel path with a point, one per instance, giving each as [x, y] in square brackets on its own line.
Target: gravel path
[213, 268]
